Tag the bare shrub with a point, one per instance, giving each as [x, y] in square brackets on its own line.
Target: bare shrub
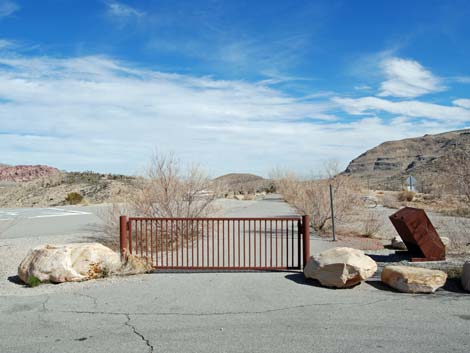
[312, 197]
[372, 224]
[166, 191]
[405, 195]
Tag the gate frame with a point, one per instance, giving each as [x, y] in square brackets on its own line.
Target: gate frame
[303, 231]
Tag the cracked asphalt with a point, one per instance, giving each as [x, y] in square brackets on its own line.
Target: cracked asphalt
[233, 312]
[229, 312]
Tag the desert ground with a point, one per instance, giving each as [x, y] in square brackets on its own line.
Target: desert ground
[212, 311]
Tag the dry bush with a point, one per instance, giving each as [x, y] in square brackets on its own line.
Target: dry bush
[166, 191]
[372, 224]
[312, 197]
[405, 195]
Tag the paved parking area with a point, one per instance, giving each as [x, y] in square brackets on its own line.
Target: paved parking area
[221, 311]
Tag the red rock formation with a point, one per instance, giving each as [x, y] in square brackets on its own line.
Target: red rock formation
[22, 173]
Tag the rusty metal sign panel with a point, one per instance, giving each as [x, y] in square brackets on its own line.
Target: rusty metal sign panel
[418, 234]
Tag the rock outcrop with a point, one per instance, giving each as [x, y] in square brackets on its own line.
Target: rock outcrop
[387, 165]
[22, 173]
[340, 267]
[410, 279]
[69, 263]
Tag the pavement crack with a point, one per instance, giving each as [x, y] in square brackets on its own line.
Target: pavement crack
[142, 337]
[266, 311]
[95, 300]
[44, 304]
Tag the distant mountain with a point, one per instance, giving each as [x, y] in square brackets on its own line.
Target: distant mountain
[23, 173]
[388, 165]
[242, 182]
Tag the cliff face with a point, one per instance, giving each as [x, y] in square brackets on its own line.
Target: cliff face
[22, 173]
[426, 157]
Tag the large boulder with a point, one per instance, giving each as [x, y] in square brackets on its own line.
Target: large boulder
[340, 267]
[68, 263]
[466, 276]
[410, 279]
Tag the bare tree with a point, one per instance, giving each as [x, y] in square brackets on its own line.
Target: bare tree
[166, 191]
[312, 196]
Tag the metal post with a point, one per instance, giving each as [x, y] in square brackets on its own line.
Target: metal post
[123, 236]
[332, 213]
[306, 238]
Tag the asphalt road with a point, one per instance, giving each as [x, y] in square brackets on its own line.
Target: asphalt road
[37, 222]
[227, 312]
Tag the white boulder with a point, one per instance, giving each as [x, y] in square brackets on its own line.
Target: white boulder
[69, 262]
[466, 276]
[340, 267]
[410, 279]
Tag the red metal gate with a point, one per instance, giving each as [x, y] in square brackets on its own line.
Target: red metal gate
[218, 243]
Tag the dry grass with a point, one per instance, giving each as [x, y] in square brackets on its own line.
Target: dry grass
[312, 197]
[405, 195]
[372, 224]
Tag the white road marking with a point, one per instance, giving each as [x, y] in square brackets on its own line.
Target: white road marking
[63, 213]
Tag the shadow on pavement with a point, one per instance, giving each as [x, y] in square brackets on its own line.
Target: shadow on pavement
[396, 257]
[16, 280]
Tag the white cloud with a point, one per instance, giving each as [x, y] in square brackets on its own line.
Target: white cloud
[122, 10]
[413, 108]
[5, 44]
[101, 114]
[465, 103]
[7, 8]
[407, 79]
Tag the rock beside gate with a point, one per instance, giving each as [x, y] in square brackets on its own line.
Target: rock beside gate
[68, 263]
[409, 279]
[340, 267]
[466, 276]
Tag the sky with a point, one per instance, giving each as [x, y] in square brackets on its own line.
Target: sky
[235, 86]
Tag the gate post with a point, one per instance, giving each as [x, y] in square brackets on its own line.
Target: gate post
[306, 238]
[123, 237]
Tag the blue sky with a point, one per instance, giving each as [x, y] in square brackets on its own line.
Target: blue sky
[243, 86]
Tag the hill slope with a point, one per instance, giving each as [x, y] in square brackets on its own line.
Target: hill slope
[387, 165]
[242, 182]
[22, 173]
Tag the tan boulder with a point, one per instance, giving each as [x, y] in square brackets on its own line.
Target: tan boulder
[340, 267]
[410, 279]
[446, 241]
[69, 262]
[397, 243]
[466, 276]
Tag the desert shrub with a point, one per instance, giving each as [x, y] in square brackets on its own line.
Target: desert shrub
[372, 224]
[312, 197]
[73, 198]
[405, 195]
[166, 191]
[33, 281]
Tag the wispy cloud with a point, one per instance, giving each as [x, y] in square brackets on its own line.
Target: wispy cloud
[7, 8]
[465, 103]
[120, 10]
[99, 113]
[412, 108]
[407, 79]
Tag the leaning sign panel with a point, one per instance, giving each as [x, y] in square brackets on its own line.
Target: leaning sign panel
[418, 234]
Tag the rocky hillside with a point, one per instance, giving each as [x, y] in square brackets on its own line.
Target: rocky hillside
[242, 183]
[387, 165]
[53, 189]
[23, 173]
